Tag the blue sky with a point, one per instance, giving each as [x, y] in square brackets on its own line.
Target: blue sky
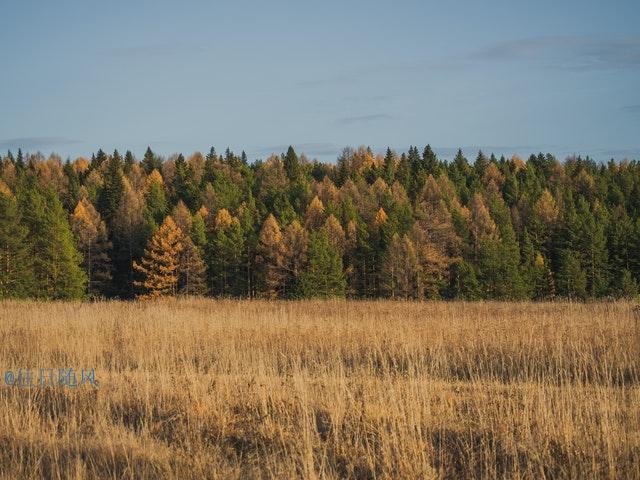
[507, 76]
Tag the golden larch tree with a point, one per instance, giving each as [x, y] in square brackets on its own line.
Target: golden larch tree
[270, 258]
[159, 265]
[315, 214]
[93, 242]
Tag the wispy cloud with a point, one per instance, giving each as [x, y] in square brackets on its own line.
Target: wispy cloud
[566, 52]
[635, 109]
[363, 119]
[34, 143]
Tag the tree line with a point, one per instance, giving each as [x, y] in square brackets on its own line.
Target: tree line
[402, 226]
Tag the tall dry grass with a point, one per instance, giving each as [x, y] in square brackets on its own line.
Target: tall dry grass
[232, 389]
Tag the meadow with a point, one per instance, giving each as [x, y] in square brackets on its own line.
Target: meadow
[198, 388]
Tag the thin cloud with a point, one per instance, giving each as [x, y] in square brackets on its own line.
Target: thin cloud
[566, 52]
[34, 143]
[635, 109]
[363, 119]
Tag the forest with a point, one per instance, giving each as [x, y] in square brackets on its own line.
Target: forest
[400, 225]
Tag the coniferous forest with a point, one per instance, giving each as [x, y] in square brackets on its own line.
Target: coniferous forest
[402, 225]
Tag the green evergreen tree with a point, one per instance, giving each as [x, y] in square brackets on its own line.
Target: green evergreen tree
[56, 261]
[324, 276]
[112, 189]
[463, 282]
[571, 277]
[388, 168]
[150, 162]
[16, 262]
[291, 164]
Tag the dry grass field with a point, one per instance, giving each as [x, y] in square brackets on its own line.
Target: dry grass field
[363, 390]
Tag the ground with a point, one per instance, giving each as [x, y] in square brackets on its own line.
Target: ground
[249, 389]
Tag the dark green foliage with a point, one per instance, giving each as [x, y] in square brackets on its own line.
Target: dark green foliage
[291, 164]
[463, 283]
[111, 192]
[324, 276]
[225, 258]
[184, 185]
[543, 229]
[151, 162]
[56, 261]
[571, 279]
[16, 262]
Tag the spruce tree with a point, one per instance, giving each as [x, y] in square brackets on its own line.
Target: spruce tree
[56, 261]
[16, 262]
[291, 164]
[324, 275]
[112, 189]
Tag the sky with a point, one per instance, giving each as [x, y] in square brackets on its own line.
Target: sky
[506, 77]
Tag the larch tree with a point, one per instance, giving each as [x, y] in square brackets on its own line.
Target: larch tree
[315, 214]
[160, 263]
[93, 243]
[129, 234]
[270, 259]
[192, 270]
[401, 269]
[335, 233]
[296, 244]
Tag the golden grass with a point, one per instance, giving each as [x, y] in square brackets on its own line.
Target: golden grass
[239, 389]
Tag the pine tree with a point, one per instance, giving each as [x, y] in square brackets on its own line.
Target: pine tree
[291, 164]
[625, 285]
[156, 202]
[16, 263]
[112, 189]
[150, 162]
[463, 283]
[184, 185]
[593, 247]
[430, 162]
[93, 243]
[226, 256]
[56, 261]
[388, 167]
[160, 264]
[324, 276]
[129, 161]
[571, 279]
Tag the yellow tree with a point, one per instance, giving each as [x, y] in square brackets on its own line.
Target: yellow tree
[270, 258]
[335, 233]
[93, 242]
[159, 265]
[315, 214]
[296, 243]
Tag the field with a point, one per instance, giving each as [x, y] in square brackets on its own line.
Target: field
[363, 390]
